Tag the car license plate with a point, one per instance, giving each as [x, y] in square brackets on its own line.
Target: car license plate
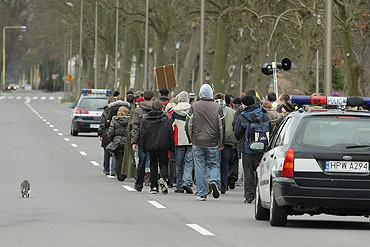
[347, 166]
[94, 126]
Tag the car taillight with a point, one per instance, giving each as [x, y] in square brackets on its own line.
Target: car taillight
[82, 112]
[288, 168]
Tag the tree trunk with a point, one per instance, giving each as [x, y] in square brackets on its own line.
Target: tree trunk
[126, 60]
[185, 78]
[219, 72]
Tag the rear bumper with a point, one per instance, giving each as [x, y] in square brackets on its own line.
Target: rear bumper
[287, 192]
[85, 125]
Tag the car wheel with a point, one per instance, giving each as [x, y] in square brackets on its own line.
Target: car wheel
[73, 131]
[278, 215]
[260, 213]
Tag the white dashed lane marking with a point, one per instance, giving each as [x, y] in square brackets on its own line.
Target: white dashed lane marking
[60, 134]
[35, 97]
[55, 129]
[51, 126]
[66, 139]
[156, 204]
[51, 98]
[43, 98]
[74, 145]
[94, 163]
[83, 153]
[128, 188]
[200, 229]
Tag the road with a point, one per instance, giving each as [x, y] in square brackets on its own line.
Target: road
[73, 204]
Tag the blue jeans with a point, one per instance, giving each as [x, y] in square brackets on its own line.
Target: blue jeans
[206, 157]
[140, 171]
[225, 160]
[107, 157]
[184, 166]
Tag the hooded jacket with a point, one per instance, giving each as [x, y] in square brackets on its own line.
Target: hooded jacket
[205, 122]
[156, 134]
[178, 119]
[118, 130]
[239, 130]
[144, 108]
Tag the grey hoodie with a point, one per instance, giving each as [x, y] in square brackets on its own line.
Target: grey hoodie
[206, 92]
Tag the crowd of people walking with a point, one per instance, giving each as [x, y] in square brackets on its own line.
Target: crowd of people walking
[188, 143]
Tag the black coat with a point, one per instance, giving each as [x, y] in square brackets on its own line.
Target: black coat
[104, 126]
[118, 130]
[156, 134]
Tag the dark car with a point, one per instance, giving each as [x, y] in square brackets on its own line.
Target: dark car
[88, 110]
[12, 86]
[317, 162]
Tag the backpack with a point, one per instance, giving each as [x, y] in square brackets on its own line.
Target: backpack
[255, 129]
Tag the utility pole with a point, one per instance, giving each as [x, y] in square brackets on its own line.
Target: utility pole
[328, 47]
[80, 53]
[146, 45]
[96, 46]
[116, 55]
[201, 55]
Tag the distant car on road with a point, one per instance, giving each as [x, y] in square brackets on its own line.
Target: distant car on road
[12, 86]
[317, 162]
[88, 110]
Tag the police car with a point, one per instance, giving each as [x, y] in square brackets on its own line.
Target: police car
[317, 162]
[88, 110]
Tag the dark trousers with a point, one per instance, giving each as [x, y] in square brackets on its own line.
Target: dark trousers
[107, 163]
[162, 160]
[118, 160]
[233, 166]
[250, 164]
[140, 171]
[172, 168]
[225, 159]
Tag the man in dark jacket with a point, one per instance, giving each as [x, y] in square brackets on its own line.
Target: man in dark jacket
[143, 108]
[163, 96]
[251, 114]
[205, 127]
[156, 137]
[103, 136]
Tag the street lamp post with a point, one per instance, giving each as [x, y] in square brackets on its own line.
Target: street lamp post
[177, 58]
[80, 53]
[4, 44]
[146, 45]
[96, 46]
[201, 55]
[116, 53]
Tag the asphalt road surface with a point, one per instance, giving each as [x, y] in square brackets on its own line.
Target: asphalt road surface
[73, 204]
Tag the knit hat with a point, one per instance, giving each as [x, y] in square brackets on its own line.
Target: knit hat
[237, 101]
[248, 100]
[288, 106]
[206, 92]
[141, 99]
[129, 92]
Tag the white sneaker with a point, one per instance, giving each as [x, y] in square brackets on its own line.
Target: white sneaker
[164, 186]
[153, 190]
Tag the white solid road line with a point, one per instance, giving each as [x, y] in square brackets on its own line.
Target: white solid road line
[66, 139]
[129, 188]
[60, 134]
[74, 145]
[83, 153]
[156, 204]
[200, 229]
[94, 163]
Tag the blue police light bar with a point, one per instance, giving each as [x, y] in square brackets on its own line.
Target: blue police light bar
[96, 91]
[367, 102]
[300, 100]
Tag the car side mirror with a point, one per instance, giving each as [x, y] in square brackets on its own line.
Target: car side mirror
[257, 146]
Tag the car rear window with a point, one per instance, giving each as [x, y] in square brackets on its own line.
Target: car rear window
[93, 103]
[334, 132]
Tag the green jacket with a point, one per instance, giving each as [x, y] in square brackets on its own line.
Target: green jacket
[128, 164]
[229, 114]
